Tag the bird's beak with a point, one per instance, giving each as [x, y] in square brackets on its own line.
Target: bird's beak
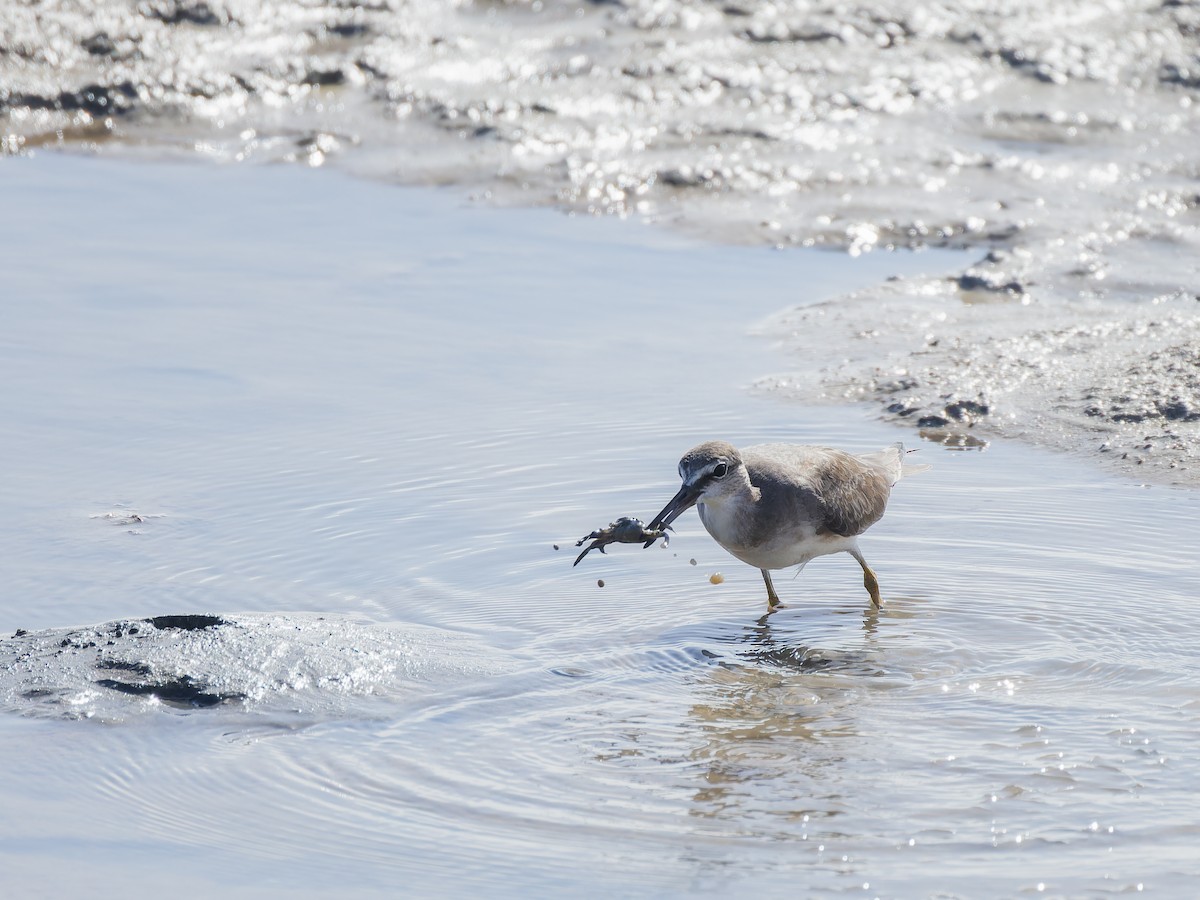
[680, 503]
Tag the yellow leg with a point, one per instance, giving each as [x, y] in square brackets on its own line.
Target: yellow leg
[773, 601]
[870, 582]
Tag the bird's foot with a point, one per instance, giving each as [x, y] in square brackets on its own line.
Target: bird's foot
[871, 583]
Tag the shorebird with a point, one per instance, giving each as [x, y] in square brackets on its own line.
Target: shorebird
[780, 505]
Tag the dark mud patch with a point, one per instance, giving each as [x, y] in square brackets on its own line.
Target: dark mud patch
[187, 622]
[123, 654]
[96, 100]
[138, 679]
[201, 661]
[181, 693]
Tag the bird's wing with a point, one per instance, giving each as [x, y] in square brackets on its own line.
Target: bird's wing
[846, 494]
[854, 494]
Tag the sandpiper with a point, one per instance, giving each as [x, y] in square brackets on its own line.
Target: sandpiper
[780, 505]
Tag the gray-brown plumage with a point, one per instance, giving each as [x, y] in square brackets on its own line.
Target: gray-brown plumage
[780, 505]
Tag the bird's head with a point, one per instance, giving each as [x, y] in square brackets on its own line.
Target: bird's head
[710, 472]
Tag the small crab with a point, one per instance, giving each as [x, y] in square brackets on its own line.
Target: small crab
[625, 530]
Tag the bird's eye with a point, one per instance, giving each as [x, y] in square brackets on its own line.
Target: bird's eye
[719, 470]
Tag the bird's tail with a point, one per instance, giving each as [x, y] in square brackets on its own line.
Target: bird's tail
[907, 468]
[893, 461]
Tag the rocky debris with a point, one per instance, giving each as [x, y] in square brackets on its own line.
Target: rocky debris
[1162, 388]
[1057, 377]
[181, 12]
[94, 99]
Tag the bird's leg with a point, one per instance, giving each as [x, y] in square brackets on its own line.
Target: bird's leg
[870, 582]
[773, 601]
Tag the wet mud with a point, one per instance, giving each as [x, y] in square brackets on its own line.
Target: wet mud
[1119, 383]
[269, 663]
[1056, 140]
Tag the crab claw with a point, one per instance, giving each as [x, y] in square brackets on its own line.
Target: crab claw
[594, 545]
[666, 538]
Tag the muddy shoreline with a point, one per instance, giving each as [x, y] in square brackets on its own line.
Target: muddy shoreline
[1057, 141]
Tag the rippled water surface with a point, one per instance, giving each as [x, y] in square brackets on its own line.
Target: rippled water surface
[353, 422]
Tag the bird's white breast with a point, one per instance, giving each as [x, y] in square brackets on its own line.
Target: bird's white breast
[777, 548]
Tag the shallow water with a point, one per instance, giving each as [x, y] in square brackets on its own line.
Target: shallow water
[355, 420]
[1057, 140]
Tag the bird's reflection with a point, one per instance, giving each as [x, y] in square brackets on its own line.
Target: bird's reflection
[763, 634]
[778, 722]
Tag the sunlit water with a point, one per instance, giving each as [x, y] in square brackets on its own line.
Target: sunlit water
[357, 420]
